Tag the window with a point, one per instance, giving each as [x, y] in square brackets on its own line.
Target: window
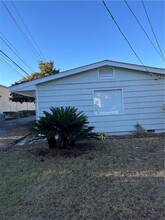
[108, 102]
[105, 73]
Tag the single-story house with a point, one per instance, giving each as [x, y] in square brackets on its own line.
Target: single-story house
[114, 95]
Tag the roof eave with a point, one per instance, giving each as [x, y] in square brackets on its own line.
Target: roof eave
[22, 87]
[31, 85]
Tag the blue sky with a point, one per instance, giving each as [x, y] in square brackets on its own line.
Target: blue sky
[76, 33]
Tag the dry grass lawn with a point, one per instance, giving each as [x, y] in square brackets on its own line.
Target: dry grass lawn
[100, 180]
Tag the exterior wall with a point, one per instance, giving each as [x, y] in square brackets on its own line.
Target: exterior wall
[7, 105]
[143, 97]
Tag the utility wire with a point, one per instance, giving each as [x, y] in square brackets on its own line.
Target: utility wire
[124, 36]
[152, 28]
[144, 30]
[10, 66]
[4, 39]
[27, 29]
[22, 32]
[4, 54]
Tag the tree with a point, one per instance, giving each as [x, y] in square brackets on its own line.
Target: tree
[20, 98]
[46, 69]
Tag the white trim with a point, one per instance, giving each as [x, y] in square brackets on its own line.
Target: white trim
[37, 103]
[22, 87]
[108, 89]
[122, 96]
[31, 85]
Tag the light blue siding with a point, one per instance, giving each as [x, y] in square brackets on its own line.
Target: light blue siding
[143, 96]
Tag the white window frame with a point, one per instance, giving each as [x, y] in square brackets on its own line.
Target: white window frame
[108, 89]
[109, 77]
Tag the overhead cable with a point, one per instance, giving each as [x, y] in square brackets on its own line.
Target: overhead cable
[125, 36]
[27, 29]
[4, 54]
[22, 32]
[152, 28]
[162, 57]
[10, 65]
[4, 39]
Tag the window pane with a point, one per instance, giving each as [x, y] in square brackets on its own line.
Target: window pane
[108, 102]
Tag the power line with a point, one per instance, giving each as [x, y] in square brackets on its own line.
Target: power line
[13, 62]
[4, 39]
[22, 32]
[152, 28]
[27, 29]
[11, 66]
[124, 36]
[143, 29]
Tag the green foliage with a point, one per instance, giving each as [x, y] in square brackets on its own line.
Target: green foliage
[10, 115]
[45, 128]
[63, 126]
[46, 69]
[19, 114]
[139, 128]
[26, 113]
[20, 98]
[102, 135]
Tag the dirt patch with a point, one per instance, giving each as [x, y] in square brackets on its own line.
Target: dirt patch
[79, 149]
[136, 135]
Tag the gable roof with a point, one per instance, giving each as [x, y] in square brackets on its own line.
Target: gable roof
[30, 86]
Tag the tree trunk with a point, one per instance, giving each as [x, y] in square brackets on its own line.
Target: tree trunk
[52, 142]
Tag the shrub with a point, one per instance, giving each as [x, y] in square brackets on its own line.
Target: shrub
[11, 115]
[26, 113]
[102, 135]
[19, 114]
[139, 130]
[44, 128]
[63, 126]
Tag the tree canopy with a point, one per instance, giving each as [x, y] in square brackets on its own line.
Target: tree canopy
[46, 69]
[20, 98]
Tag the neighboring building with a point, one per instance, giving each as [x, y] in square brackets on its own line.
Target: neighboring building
[115, 96]
[7, 105]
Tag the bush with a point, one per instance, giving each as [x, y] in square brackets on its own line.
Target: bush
[26, 113]
[63, 126]
[19, 114]
[139, 130]
[11, 115]
[102, 135]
